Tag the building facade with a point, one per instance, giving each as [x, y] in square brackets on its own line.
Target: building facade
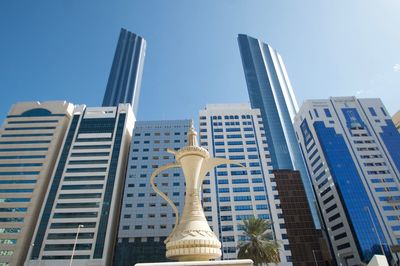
[82, 205]
[146, 219]
[351, 147]
[126, 71]
[308, 245]
[270, 91]
[30, 139]
[232, 194]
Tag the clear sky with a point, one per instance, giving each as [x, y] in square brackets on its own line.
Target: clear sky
[63, 50]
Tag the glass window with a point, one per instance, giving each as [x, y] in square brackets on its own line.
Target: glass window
[236, 157]
[226, 218]
[11, 220]
[327, 112]
[224, 199]
[225, 228]
[243, 208]
[264, 216]
[14, 209]
[23, 149]
[223, 181]
[82, 187]
[17, 181]
[75, 215]
[236, 150]
[240, 181]
[242, 198]
[235, 143]
[225, 208]
[372, 111]
[21, 190]
[241, 189]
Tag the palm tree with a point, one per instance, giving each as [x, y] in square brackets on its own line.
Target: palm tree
[259, 247]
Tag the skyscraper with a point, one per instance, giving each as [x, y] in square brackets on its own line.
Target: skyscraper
[126, 72]
[81, 210]
[308, 245]
[232, 194]
[146, 219]
[270, 91]
[351, 147]
[30, 139]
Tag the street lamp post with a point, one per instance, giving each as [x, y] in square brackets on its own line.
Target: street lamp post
[315, 258]
[376, 231]
[76, 240]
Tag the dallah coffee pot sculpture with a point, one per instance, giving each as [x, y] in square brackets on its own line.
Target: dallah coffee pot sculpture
[192, 238]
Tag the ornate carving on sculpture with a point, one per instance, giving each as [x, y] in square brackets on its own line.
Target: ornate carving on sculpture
[191, 238]
[198, 233]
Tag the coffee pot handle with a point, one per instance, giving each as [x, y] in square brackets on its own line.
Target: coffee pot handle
[162, 194]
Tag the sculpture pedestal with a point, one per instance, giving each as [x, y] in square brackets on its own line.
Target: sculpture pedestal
[201, 263]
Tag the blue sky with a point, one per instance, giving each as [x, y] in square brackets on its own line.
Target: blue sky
[63, 50]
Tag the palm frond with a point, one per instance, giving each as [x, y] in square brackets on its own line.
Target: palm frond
[259, 247]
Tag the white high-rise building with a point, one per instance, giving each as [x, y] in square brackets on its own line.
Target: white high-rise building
[352, 151]
[231, 193]
[81, 210]
[146, 218]
[30, 139]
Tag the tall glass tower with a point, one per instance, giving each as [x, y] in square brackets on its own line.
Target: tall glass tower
[270, 91]
[126, 72]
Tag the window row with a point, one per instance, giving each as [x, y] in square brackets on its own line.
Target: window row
[151, 227]
[157, 141]
[151, 215]
[140, 195]
[152, 205]
[164, 184]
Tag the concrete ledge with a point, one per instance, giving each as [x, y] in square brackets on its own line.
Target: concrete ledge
[201, 263]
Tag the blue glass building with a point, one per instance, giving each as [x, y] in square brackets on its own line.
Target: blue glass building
[351, 147]
[126, 72]
[270, 91]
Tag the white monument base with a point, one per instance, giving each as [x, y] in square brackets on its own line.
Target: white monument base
[378, 260]
[201, 263]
